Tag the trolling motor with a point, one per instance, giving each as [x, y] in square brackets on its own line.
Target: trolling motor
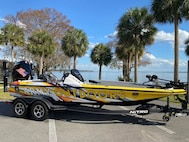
[168, 83]
[171, 84]
[153, 79]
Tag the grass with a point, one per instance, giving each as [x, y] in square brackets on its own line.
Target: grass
[5, 95]
[172, 99]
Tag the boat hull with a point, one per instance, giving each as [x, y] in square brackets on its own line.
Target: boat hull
[91, 93]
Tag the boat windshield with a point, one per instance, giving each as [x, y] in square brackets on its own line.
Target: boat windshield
[50, 77]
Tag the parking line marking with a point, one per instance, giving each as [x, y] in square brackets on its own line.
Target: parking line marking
[158, 126]
[165, 129]
[52, 131]
[124, 108]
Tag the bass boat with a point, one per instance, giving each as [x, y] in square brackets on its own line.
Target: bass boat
[72, 88]
[49, 93]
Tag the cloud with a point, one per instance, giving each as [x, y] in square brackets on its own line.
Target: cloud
[4, 20]
[20, 24]
[112, 35]
[160, 64]
[163, 36]
[92, 45]
[148, 56]
[157, 64]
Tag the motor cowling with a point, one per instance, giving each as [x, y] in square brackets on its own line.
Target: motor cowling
[73, 79]
[77, 74]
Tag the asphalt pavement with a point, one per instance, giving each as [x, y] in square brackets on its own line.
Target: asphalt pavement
[69, 126]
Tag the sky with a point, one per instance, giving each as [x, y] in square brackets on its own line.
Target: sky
[99, 19]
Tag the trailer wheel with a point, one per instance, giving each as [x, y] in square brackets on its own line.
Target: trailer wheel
[20, 108]
[165, 118]
[39, 111]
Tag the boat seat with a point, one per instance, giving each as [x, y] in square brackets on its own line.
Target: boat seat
[42, 77]
[48, 77]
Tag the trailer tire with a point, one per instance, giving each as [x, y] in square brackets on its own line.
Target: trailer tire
[166, 118]
[20, 108]
[39, 111]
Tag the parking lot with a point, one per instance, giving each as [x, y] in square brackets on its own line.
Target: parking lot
[71, 126]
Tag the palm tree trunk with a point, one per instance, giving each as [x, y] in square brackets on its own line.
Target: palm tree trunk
[124, 70]
[12, 54]
[100, 71]
[136, 65]
[129, 67]
[176, 52]
[74, 62]
[41, 65]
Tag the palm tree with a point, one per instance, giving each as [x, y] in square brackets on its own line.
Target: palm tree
[136, 29]
[46, 19]
[171, 11]
[126, 55]
[40, 43]
[185, 9]
[12, 35]
[75, 44]
[101, 55]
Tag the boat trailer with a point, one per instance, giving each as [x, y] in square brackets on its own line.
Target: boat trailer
[22, 103]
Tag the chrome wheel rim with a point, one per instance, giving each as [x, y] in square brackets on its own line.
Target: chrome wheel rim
[19, 108]
[39, 111]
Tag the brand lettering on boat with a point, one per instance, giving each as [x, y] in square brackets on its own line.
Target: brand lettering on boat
[39, 91]
[138, 111]
[81, 93]
[94, 94]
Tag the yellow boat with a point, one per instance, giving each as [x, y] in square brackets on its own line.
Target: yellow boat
[74, 89]
[48, 92]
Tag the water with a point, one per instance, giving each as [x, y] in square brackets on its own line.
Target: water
[113, 75]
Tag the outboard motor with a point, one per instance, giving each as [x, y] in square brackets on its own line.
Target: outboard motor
[73, 79]
[22, 71]
[77, 74]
